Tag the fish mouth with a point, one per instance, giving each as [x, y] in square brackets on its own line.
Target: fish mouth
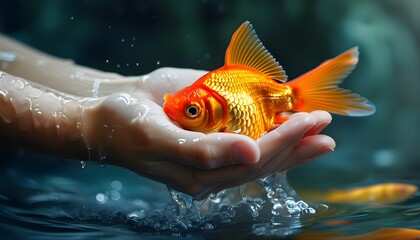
[171, 114]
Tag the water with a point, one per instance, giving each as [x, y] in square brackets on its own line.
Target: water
[112, 203]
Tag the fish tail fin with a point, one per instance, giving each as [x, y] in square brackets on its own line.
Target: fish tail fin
[318, 90]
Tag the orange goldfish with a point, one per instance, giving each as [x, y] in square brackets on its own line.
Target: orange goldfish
[249, 94]
[378, 193]
[380, 234]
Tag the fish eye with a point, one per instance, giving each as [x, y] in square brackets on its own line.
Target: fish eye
[192, 110]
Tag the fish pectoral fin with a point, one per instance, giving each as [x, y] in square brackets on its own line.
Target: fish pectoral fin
[280, 118]
[247, 50]
[226, 130]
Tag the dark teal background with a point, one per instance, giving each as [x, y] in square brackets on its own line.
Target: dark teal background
[136, 37]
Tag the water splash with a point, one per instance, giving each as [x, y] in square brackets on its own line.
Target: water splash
[285, 202]
[83, 165]
[280, 209]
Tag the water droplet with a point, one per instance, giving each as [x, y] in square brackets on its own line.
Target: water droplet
[133, 38]
[213, 196]
[132, 45]
[83, 165]
[183, 200]
[95, 87]
[137, 64]
[78, 124]
[182, 140]
[57, 126]
[109, 26]
[107, 61]
[158, 63]
[118, 65]
[102, 155]
[127, 64]
[122, 40]
[208, 226]
[228, 210]
[71, 18]
[35, 93]
[3, 93]
[20, 85]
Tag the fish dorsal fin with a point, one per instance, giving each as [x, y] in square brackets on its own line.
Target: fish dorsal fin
[246, 49]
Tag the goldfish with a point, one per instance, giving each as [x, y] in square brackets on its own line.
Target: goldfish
[380, 234]
[250, 94]
[378, 193]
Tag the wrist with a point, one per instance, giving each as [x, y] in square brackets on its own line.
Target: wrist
[96, 130]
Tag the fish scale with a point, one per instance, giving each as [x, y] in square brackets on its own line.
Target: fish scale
[253, 99]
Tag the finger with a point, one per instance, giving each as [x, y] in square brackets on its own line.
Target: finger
[290, 132]
[215, 150]
[292, 135]
[308, 149]
[323, 120]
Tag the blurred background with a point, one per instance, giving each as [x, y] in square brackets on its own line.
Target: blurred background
[136, 37]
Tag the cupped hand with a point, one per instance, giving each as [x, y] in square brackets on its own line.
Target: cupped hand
[131, 130]
[126, 126]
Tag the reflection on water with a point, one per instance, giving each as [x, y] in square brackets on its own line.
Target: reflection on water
[68, 204]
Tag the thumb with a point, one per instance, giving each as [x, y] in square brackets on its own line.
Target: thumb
[214, 150]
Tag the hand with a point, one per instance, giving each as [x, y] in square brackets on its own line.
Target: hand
[126, 126]
[130, 129]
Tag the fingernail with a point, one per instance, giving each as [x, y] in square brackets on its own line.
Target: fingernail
[242, 153]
